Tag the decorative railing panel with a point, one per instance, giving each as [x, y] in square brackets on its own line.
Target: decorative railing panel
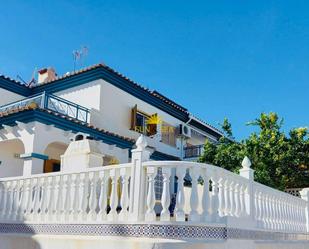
[98, 194]
[53, 103]
[193, 151]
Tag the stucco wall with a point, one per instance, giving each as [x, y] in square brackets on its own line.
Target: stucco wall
[10, 165]
[113, 111]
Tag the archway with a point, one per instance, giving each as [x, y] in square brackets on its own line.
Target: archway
[10, 162]
[54, 151]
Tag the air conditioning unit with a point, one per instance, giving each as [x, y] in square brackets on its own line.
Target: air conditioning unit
[184, 131]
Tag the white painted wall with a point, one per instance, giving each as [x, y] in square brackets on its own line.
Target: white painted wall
[10, 165]
[112, 111]
[8, 97]
[87, 95]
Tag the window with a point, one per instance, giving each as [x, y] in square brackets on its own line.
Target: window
[139, 122]
[168, 134]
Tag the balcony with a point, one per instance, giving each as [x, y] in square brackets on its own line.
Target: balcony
[193, 152]
[53, 103]
[126, 193]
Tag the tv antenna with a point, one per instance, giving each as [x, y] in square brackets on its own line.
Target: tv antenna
[32, 80]
[79, 55]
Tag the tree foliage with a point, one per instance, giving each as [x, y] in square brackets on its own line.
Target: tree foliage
[279, 160]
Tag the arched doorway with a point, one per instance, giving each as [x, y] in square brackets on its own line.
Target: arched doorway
[54, 151]
[10, 162]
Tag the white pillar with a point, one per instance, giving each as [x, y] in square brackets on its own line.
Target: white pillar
[33, 166]
[248, 173]
[138, 180]
[305, 196]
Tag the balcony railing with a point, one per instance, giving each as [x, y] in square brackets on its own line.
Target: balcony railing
[53, 103]
[127, 192]
[193, 151]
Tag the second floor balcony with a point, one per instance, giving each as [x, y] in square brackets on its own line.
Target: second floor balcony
[194, 151]
[53, 103]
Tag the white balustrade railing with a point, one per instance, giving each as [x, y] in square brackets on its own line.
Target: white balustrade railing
[225, 195]
[97, 194]
[277, 210]
[223, 191]
[129, 193]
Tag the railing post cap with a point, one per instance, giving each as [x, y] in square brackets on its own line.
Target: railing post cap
[304, 193]
[141, 142]
[246, 163]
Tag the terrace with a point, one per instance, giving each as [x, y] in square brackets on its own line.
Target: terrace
[135, 199]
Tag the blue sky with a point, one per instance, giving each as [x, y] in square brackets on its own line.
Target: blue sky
[219, 59]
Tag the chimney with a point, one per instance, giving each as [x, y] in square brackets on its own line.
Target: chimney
[46, 74]
[81, 154]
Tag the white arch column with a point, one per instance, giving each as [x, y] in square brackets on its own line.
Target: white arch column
[36, 141]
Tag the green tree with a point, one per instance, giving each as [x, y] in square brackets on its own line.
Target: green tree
[279, 161]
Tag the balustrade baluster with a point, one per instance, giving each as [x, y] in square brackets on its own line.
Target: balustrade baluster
[266, 203]
[151, 198]
[227, 210]
[36, 199]
[93, 196]
[60, 202]
[9, 200]
[44, 198]
[85, 197]
[242, 200]
[68, 197]
[52, 204]
[194, 201]
[285, 214]
[298, 213]
[232, 199]
[274, 214]
[124, 199]
[293, 226]
[165, 198]
[289, 207]
[15, 200]
[237, 200]
[271, 212]
[112, 215]
[29, 192]
[214, 198]
[304, 205]
[103, 196]
[76, 200]
[260, 208]
[1, 197]
[5, 198]
[279, 213]
[256, 206]
[180, 197]
[22, 201]
[206, 197]
[221, 197]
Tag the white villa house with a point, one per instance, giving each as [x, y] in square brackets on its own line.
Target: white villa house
[37, 122]
[93, 160]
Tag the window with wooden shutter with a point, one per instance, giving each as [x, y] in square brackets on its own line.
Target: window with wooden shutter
[152, 125]
[133, 117]
[142, 122]
[168, 133]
